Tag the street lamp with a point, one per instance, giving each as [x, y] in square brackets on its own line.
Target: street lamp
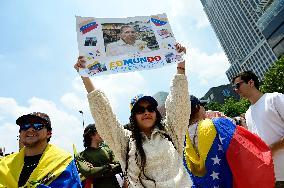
[81, 112]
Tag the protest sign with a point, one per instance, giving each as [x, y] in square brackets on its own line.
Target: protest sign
[113, 45]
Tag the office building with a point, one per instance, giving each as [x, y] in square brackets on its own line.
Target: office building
[244, 30]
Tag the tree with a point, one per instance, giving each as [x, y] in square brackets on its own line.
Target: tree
[243, 105]
[273, 80]
[214, 106]
[230, 108]
[233, 108]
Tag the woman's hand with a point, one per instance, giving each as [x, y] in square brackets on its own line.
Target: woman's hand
[181, 65]
[80, 63]
[86, 80]
[180, 48]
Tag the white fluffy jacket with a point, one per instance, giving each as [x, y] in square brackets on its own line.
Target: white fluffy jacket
[163, 162]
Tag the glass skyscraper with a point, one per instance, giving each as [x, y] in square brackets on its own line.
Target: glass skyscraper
[239, 26]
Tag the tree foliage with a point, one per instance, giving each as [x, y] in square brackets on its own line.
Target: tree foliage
[214, 106]
[231, 107]
[273, 80]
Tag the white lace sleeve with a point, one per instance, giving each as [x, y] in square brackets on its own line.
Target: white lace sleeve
[178, 110]
[111, 131]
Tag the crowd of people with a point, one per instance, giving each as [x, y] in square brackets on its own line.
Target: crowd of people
[182, 150]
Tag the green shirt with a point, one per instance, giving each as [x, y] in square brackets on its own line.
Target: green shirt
[99, 164]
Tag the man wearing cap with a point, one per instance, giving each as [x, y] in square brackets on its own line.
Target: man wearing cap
[38, 163]
[97, 163]
[217, 153]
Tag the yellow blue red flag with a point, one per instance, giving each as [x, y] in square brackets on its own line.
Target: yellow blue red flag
[229, 156]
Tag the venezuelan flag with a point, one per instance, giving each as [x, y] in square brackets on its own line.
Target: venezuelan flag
[229, 156]
[56, 168]
[159, 21]
[88, 26]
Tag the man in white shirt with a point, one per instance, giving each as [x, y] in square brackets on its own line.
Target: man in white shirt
[127, 43]
[265, 117]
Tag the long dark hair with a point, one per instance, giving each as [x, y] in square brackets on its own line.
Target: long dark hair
[194, 111]
[140, 156]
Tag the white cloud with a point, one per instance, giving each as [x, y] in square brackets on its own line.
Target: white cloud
[209, 68]
[8, 139]
[9, 106]
[189, 9]
[74, 102]
[203, 81]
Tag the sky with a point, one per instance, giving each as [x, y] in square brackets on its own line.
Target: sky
[38, 49]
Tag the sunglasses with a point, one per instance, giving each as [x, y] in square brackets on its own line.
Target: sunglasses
[237, 85]
[142, 110]
[35, 126]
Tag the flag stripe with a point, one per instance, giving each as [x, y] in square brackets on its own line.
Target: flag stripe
[89, 27]
[250, 160]
[158, 22]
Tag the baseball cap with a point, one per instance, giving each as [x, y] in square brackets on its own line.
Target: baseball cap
[195, 101]
[39, 115]
[141, 97]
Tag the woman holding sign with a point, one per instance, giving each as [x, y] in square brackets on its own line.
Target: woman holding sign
[150, 153]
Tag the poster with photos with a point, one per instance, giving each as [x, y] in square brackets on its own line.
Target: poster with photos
[115, 45]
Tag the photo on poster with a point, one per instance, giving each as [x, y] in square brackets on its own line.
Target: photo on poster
[129, 38]
[90, 41]
[164, 33]
[95, 67]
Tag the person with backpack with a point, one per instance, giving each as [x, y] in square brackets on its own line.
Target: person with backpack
[150, 152]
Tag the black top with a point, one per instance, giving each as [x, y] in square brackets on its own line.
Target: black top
[30, 163]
